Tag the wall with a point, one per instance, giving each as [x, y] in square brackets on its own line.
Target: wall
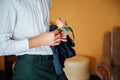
[2, 63]
[90, 19]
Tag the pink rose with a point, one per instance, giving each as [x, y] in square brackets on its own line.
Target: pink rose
[63, 26]
[60, 23]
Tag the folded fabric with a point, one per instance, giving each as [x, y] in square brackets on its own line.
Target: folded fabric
[61, 52]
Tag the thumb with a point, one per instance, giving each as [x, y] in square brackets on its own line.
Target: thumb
[56, 32]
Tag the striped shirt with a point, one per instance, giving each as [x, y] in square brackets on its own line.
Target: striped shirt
[21, 20]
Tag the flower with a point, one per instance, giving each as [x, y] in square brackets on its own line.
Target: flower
[63, 26]
[60, 23]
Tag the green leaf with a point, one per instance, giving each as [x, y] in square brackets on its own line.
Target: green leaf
[66, 29]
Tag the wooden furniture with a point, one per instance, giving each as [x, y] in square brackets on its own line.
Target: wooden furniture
[9, 60]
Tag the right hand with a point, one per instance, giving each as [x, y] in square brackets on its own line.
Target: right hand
[46, 39]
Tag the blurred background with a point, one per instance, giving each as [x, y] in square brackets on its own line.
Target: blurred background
[90, 19]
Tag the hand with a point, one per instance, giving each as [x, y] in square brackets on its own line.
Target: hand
[50, 38]
[46, 39]
[63, 37]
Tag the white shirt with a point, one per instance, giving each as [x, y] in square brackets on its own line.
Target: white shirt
[20, 20]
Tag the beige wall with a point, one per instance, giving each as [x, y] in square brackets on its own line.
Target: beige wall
[90, 19]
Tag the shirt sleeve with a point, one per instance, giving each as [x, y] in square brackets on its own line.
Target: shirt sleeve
[9, 46]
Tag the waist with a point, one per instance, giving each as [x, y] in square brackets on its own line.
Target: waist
[35, 58]
[34, 52]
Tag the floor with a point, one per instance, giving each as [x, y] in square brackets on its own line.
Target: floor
[4, 77]
[94, 77]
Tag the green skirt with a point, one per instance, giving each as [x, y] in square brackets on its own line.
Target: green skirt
[35, 67]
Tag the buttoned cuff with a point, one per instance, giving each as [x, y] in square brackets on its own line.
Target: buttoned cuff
[22, 45]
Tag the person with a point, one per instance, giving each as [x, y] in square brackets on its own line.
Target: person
[25, 33]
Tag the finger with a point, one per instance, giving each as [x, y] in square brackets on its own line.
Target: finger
[64, 40]
[63, 35]
[57, 42]
[58, 36]
[56, 32]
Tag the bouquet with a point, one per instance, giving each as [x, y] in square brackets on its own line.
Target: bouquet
[63, 26]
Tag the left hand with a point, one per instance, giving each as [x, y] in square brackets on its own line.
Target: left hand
[63, 37]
